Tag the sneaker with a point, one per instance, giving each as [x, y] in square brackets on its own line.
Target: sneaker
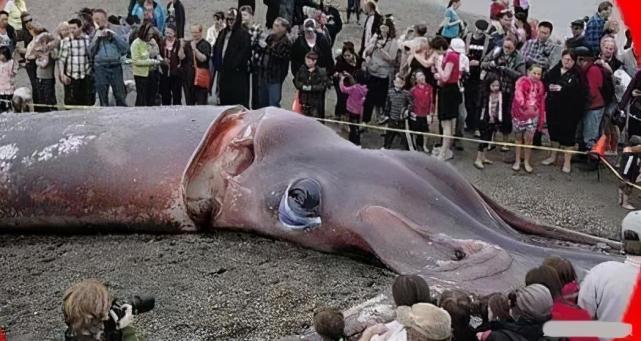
[479, 164]
[477, 133]
[516, 166]
[548, 162]
[449, 155]
[528, 168]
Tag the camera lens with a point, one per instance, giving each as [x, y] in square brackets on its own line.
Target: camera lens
[142, 304]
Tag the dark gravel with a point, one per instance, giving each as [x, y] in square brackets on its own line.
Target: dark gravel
[242, 287]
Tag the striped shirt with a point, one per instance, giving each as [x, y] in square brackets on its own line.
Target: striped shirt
[397, 102]
[75, 58]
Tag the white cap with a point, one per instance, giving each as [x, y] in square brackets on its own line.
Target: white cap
[458, 45]
[631, 222]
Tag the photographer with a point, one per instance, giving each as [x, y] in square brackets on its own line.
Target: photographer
[107, 48]
[91, 314]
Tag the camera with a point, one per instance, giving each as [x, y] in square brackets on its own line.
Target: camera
[118, 311]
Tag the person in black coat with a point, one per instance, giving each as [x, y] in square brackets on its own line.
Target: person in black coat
[176, 16]
[290, 10]
[233, 50]
[334, 22]
[565, 104]
[371, 10]
[321, 46]
[250, 3]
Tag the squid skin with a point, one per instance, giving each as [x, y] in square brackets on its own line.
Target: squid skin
[185, 169]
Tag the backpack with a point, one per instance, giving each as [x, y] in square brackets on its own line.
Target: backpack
[607, 90]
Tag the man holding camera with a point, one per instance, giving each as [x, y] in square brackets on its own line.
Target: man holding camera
[107, 48]
[91, 314]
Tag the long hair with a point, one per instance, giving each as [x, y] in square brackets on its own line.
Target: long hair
[452, 3]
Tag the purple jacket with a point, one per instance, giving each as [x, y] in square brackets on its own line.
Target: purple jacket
[355, 97]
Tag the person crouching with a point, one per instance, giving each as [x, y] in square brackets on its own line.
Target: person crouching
[311, 82]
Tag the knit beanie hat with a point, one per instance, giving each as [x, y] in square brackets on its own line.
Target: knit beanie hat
[533, 303]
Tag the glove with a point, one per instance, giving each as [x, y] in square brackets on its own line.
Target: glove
[307, 87]
[124, 321]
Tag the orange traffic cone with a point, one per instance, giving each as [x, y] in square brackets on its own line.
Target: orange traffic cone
[600, 146]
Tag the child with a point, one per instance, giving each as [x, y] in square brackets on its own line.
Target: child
[491, 117]
[311, 82]
[421, 95]
[356, 92]
[8, 71]
[528, 113]
[397, 105]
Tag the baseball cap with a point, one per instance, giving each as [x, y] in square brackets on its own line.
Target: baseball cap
[578, 22]
[631, 222]
[583, 51]
[427, 319]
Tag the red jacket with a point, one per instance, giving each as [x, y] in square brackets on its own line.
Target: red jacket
[422, 99]
[564, 311]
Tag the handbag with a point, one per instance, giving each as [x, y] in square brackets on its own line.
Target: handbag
[201, 78]
[296, 106]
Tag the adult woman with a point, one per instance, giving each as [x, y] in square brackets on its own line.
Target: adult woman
[142, 63]
[562, 310]
[233, 50]
[565, 102]
[380, 61]
[452, 23]
[449, 95]
[170, 79]
[312, 40]
[347, 62]
[44, 50]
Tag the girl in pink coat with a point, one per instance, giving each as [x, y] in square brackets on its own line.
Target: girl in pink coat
[528, 113]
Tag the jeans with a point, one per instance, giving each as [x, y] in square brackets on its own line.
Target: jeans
[110, 76]
[273, 93]
[591, 126]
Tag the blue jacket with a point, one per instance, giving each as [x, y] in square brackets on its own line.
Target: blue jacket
[159, 15]
[108, 50]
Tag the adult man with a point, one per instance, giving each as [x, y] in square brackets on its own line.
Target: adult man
[75, 66]
[578, 34]
[592, 117]
[539, 50]
[233, 50]
[151, 10]
[275, 63]
[608, 57]
[7, 32]
[372, 24]
[594, 29]
[630, 61]
[176, 16]
[201, 51]
[290, 10]
[476, 45]
[257, 42]
[501, 28]
[607, 289]
[107, 47]
[508, 65]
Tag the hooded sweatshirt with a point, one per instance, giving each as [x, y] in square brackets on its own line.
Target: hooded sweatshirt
[355, 97]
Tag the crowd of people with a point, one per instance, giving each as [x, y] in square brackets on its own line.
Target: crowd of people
[549, 292]
[504, 79]
[501, 79]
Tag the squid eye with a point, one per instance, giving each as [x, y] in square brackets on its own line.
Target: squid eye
[300, 205]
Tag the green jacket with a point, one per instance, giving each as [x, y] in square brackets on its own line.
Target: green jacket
[140, 60]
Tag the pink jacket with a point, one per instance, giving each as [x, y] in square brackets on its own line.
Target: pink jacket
[355, 97]
[529, 100]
